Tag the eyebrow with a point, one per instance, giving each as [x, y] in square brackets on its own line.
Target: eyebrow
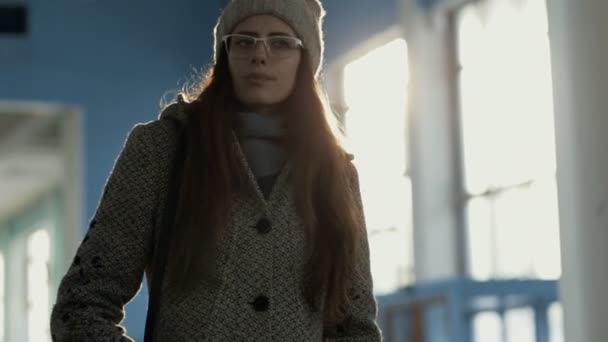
[255, 34]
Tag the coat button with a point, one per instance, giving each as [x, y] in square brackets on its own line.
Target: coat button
[261, 303]
[263, 226]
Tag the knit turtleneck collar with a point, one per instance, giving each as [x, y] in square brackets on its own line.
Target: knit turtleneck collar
[254, 125]
[260, 136]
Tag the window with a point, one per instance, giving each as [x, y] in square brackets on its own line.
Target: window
[509, 153]
[508, 137]
[44, 213]
[38, 307]
[519, 325]
[487, 327]
[375, 127]
[556, 323]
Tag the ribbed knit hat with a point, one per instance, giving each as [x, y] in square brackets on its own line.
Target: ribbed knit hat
[304, 16]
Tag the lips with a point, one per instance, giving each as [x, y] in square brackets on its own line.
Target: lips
[258, 76]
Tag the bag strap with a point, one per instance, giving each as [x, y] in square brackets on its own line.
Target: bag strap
[164, 238]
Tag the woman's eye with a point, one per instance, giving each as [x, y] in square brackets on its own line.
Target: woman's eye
[281, 43]
[243, 42]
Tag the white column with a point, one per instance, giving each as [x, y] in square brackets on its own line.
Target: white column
[439, 248]
[579, 47]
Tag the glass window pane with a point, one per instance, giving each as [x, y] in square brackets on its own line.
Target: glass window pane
[38, 307]
[512, 228]
[506, 95]
[527, 218]
[487, 327]
[369, 130]
[39, 245]
[378, 141]
[519, 324]
[556, 323]
[481, 239]
[390, 258]
[545, 223]
[508, 139]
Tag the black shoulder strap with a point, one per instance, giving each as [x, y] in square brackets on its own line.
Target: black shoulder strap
[164, 238]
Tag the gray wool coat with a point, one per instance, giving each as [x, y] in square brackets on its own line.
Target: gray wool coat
[259, 299]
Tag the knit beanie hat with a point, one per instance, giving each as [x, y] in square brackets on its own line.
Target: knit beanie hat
[304, 16]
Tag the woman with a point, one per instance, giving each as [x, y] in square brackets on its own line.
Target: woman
[269, 241]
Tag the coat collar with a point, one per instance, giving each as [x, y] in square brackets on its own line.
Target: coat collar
[175, 110]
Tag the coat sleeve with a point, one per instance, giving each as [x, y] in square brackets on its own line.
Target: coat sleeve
[360, 324]
[107, 270]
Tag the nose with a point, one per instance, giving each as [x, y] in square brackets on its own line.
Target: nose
[260, 54]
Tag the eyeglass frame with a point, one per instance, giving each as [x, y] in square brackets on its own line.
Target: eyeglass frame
[264, 40]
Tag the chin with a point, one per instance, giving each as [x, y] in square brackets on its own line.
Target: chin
[260, 107]
[261, 101]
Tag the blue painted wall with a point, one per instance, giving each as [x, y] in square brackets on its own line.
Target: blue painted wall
[115, 59]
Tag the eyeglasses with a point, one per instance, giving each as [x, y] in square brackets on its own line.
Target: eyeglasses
[244, 46]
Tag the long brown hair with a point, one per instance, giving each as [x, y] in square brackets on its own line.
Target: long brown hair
[321, 177]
